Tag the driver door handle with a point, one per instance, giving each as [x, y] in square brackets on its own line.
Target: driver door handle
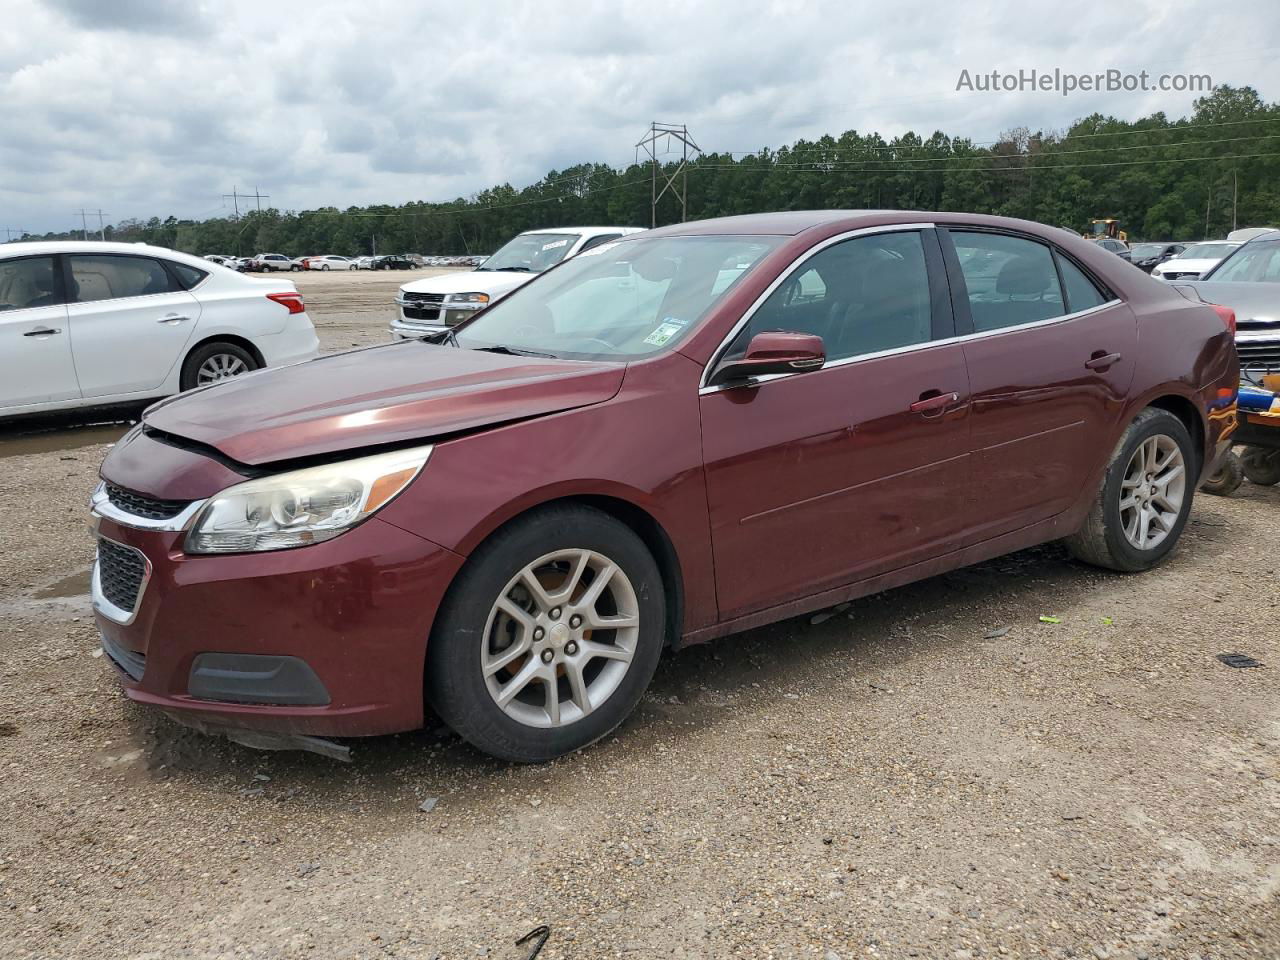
[42, 333]
[938, 402]
[1100, 360]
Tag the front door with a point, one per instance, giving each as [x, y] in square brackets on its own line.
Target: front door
[820, 479]
[1051, 356]
[130, 320]
[36, 365]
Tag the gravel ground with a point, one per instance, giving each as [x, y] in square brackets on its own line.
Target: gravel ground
[892, 780]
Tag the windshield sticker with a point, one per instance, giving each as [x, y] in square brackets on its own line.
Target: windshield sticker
[666, 330]
[555, 243]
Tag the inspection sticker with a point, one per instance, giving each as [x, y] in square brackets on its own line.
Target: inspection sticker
[666, 330]
[555, 243]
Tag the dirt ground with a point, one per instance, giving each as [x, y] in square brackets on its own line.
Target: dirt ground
[891, 780]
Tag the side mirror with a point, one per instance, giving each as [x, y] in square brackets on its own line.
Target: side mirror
[774, 352]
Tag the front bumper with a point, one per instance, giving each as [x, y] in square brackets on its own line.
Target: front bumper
[325, 641]
[417, 318]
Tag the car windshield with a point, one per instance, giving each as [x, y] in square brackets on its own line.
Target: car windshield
[1252, 263]
[1206, 251]
[618, 301]
[532, 252]
[1144, 250]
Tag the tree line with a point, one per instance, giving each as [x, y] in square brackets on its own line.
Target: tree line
[1164, 179]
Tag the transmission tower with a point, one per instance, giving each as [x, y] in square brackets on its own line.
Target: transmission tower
[668, 133]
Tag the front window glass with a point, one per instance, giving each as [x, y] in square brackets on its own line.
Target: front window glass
[619, 301]
[1144, 251]
[1253, 263]
[109, 277]
[1011, 281]
[532, 252]
[28, 282]
[860, 296]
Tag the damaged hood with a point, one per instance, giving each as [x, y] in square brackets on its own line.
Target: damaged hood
[399, 392]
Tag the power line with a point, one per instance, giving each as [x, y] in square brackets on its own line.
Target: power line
[84, 223]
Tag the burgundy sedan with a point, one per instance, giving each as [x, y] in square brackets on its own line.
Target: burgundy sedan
[686, 433]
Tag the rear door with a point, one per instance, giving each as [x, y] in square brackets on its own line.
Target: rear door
[36, 365]
[820, 479]
[130, 321]
[1050, 353]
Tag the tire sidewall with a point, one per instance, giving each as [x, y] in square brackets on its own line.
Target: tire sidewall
[455, 682]
[191, 367]
[1129, 556]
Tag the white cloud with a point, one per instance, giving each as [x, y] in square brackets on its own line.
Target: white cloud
[148, 107]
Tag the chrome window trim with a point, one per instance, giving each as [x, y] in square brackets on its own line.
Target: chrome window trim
[100, 505]
[911, 348]
[104, 606]
[782, 278]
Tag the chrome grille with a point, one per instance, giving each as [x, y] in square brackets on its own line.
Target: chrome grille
[423, 297]
[121, 571]
[140, 505]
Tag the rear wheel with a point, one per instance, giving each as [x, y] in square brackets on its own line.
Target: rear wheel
[1262, 466]
[1145, 497]
[324, 266]
[1227, 478]
[549, 636]
[213, 362]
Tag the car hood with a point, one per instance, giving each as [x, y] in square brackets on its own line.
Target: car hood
[1252, 302]
[496, 283]
[410, 391]
[1185, 266]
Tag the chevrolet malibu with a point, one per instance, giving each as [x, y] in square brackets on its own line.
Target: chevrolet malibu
[680, 435]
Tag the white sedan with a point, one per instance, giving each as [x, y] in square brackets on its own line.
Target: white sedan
[89, 324]
[329, 262]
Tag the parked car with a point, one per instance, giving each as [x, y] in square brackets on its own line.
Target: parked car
[92, 324]
[392, 261]
[1118, 247]
[1248, 281]
[328, 262]
[436, 303]
[362, 263]
[1194, 261]
[274, 262]
[1147, 256]
[691, 432]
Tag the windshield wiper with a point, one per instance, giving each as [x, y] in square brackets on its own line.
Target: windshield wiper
[516, 351]
[514, 269]
[446, 336]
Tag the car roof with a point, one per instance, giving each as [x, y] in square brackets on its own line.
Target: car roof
[793, 222]
[32, 248]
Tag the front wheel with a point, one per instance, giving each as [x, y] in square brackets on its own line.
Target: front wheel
[1262, 466]
[324, 266]
[1145, 497]
[550, 635]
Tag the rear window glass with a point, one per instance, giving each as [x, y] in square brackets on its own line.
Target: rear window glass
[188, 276]
[103, 276]
[1082, 294]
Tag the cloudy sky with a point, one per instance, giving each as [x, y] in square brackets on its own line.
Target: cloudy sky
[158, 107]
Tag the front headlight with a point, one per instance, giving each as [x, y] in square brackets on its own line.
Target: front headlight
[467, 298]
[302, 507]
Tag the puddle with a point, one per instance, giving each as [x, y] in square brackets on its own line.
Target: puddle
[54, 440]
[76, 585]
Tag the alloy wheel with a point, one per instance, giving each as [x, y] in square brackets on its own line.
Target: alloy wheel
[220, 366]
[1152, 491]
[560, 638]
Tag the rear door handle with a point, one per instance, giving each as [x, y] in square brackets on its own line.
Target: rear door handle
[172, 319]
[42, 333]
[938, 402]
[1100, 360]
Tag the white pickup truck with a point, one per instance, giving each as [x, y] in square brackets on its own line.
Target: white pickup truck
[434, 304]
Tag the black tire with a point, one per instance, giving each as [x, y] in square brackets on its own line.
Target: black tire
[191, 366]
[455, 686]
[1101, 540]
[1262, 466]
[295, 268]
[1224, 481]
[324, 266]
